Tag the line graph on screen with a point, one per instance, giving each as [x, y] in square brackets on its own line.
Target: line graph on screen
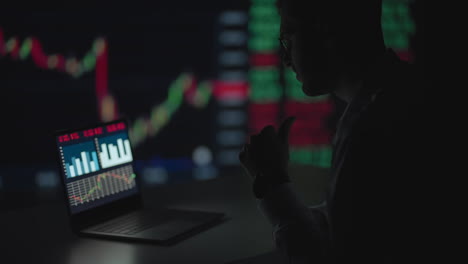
[184, 88]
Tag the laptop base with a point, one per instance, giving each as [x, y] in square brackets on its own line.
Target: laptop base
[166, 226]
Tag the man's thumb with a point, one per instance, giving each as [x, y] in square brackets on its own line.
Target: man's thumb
[283, 131]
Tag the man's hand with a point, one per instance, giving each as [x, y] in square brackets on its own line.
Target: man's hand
[266, 157]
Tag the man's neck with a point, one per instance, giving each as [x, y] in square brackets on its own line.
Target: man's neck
[347, 90]
[349, 86]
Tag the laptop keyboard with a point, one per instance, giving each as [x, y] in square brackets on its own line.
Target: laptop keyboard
[128, 224]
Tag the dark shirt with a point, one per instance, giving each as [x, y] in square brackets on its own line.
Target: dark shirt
[375, 163]
[375, 167]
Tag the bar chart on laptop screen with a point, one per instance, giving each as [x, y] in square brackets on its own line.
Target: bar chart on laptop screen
[114, 150]
[80, 159]
[97, 164]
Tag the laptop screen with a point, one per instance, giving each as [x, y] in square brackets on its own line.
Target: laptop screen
[97, 165]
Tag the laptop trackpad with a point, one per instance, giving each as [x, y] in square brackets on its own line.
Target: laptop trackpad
[169, 229]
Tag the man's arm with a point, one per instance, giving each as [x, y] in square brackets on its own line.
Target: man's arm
[296, 231]
[300, 232]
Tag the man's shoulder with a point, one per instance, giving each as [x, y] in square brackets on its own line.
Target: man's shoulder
[395, 105]
[400, 89]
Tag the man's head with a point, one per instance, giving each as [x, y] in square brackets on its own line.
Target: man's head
[330, 43]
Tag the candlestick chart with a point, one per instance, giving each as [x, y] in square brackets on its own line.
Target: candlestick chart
[212, 109]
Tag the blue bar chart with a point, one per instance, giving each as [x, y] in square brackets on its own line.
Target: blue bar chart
[114, 150]
[80, 159]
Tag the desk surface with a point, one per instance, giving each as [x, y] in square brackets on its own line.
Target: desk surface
[41, 234]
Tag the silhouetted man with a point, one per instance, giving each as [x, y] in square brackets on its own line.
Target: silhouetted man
[337, 47]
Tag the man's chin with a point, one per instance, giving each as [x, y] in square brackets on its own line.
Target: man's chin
[315, 90]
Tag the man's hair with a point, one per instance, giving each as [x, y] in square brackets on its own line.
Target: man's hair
[356, 24]
[343, 15]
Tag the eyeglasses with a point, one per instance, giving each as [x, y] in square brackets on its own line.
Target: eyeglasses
[285, 43]
[320, 31]
[285, 51]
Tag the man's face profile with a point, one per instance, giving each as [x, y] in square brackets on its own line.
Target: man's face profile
[313, 53]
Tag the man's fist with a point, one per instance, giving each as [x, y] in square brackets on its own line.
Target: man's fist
[266, 157]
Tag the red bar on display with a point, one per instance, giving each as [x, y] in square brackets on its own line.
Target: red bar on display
[264, 59]
[405, 55]
[60, 62]
[38, 56]
[230, 90]
[310, 125]
[261, 115]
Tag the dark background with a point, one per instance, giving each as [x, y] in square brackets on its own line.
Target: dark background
[149, 46]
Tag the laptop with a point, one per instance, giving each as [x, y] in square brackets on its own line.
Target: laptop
[102, 190]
